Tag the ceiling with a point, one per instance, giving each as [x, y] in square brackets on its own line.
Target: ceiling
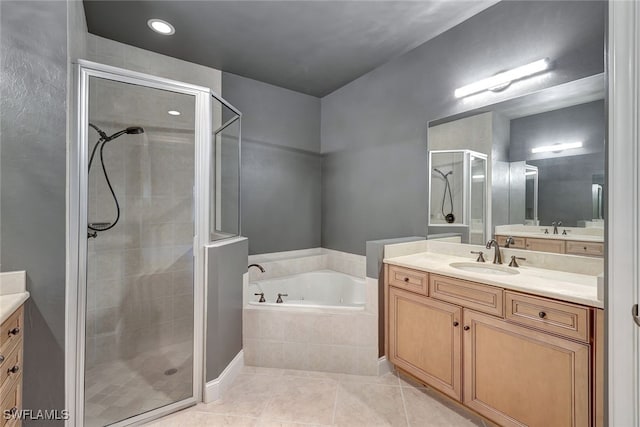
[314, 47]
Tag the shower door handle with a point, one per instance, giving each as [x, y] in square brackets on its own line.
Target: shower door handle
[634, 313]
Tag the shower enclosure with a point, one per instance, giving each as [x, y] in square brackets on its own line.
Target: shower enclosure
[458, 193]
[145, 179]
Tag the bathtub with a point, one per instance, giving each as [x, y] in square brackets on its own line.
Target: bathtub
[316, 289]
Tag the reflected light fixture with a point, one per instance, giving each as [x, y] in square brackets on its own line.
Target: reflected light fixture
[173, 113]
[556, 147]
[161, 27]
[502, 80]
[477, 176]
[530, 173]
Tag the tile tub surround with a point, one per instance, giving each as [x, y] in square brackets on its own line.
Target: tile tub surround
[540, 276]
[591, 234]
[277, 397]
[304, 338]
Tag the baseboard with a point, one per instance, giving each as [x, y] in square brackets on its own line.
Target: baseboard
[384, 366]
[216, 388]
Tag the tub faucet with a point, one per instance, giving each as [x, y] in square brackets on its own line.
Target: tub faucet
[256, 265]
[497, 258]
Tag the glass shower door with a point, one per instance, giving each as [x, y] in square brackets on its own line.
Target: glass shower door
[139, 324]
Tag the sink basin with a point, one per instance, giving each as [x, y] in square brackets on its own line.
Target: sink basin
[475, 267]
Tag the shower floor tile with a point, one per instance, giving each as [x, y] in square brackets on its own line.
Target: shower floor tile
[276, 397]
[121, 388]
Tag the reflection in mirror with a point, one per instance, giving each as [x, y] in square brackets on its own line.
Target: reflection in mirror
[545, 154]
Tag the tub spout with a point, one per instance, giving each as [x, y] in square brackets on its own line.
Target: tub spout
[256, 265]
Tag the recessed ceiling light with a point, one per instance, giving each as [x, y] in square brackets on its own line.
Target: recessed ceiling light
[161, 27]
[173, 113]
[556, 147]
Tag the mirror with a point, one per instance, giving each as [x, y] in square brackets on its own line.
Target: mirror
[545, 164]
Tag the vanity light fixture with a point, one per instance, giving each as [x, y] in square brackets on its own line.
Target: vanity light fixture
[504, 79]
[161, 27]
[556, 147]
[173, 113]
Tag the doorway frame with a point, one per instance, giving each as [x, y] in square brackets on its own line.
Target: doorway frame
[76, 247]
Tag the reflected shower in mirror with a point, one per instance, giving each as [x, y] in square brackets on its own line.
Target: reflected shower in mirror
[546, 162]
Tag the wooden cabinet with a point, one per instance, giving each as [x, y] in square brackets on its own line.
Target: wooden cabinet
[520, 377]
[424, 339]
[523, 361]
[411, 280]
[11, 345]
[546, 245]
[518, 242]
[585, 248]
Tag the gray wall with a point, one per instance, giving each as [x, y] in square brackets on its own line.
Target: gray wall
[226, 263]
[33, 124]
[281, 161]
[564, 193]
[374, 129]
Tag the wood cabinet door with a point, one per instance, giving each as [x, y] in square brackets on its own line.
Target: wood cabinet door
[520, 377]
[546, 245]
[425, 341]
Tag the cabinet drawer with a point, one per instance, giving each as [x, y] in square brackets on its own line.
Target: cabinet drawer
[11, 330]
[486, 299]
[585, 248]
[518, 242]
[11, 403]
[546, 245]
[411, 280]
[10, 366]
[571, 321]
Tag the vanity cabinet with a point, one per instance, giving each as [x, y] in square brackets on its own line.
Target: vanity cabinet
[545, 245]
[515, 358]
[425, 339]
[558, 246]
[585, 248]
[520, 377]
[11, 364]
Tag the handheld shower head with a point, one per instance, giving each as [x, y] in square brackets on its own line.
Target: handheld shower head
[132, 130]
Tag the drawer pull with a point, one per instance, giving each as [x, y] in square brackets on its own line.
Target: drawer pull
[542, 314]
[406, 279]
[455, 324]
[466, 328]
[13, 370]
[584, 247]
[14, 331]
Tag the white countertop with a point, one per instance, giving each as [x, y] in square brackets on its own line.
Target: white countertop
[561, 285]
[551, 236]
[13, 292]
[9, 304]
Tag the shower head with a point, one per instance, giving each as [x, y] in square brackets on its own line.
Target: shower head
[441, 173]
[133, 130]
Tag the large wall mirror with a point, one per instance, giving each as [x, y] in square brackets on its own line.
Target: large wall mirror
[546, 166]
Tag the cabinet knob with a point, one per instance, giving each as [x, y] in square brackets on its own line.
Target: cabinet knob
[466, 328]
[1, 358]
[585, 248]
[14, 331]
[542, 314]
[13, 370]
[406, 279]
[455, 323]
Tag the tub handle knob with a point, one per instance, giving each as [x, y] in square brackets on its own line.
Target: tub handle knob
[261, 296]
[279, 300]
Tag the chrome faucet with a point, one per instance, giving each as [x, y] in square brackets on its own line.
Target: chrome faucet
[256, 265]
[555, 226]
[497, 258]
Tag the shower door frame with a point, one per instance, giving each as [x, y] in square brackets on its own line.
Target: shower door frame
[77, 200]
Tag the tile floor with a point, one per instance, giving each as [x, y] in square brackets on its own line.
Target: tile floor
[121, 388]
[277, 397]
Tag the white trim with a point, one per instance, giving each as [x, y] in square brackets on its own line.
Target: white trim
[384, 366]
[215, 389]
[623, 219]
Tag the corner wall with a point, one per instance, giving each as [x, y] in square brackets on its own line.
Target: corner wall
[281, 165]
